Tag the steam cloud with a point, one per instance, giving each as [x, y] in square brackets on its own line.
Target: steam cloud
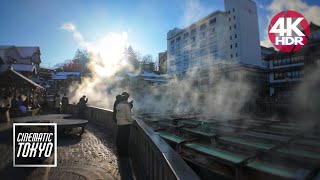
[194, 10]
[223, 96]
[106, 59]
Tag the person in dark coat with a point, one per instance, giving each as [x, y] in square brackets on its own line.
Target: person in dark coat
[65, 102]
[118, 100]
[82, 105]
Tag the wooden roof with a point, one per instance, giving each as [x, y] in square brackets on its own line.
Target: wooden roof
[11, 78]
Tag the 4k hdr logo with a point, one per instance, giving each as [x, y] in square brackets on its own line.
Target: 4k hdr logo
[289, 31]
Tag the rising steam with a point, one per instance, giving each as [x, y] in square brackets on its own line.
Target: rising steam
[223, 96]
[106, 59]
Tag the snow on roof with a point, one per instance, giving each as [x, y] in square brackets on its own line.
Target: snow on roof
[47, 68]
[59, 77]
[23, 67]
[67, 73]
[63, 75]
[150, 74]
[146, 75]
[117, 78]
[132, 75]
[155, 80]
[27, 51]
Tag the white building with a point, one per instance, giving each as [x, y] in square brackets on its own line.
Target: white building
[231, 36]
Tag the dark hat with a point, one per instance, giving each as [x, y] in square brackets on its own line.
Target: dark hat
[125, 94]
[84, 96]
[118, 96]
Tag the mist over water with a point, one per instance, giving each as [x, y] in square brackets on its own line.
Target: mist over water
[305, 107]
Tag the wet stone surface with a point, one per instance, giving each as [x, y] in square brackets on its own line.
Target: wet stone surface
[92, 156]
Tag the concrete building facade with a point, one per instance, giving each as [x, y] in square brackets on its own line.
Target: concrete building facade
[162, 57]
[230, 36]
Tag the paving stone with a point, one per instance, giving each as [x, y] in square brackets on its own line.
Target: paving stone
[90, 157]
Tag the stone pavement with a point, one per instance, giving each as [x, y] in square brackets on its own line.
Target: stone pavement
[91, 157]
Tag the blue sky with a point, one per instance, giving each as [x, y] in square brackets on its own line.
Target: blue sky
[38, 22]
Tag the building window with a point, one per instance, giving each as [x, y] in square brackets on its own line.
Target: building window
[185, 35]
[289, 75]
[234, 17]
[230, 37]
[186, 57]
[172, 42]
[178, 39]
[230, 46]
[203, 43]
[231, 56]
[193, 39]
[203, 52]
[213, 30]
[235, 26]
[233, 9]
[230, 27]
[203, 34]
[203, 26]
[229, 19]
[236, 54]
[172, 48]
[212, 21]
[228, 12]
[236, 45]
[235, 36]
[193, 31]
[213, 48]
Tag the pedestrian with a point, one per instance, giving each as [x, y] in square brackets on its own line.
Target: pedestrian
[118, 99]
[124, 121]
[5, 105]
[82, 106]
[57, 103]
[65, 103]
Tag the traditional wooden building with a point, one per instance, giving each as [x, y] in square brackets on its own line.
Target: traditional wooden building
[25, 60]
[286, 71]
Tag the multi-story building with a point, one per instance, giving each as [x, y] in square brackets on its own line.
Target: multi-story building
[147, 67]
[286, 70]
[230, 36]
[265, 51]
[162, 57]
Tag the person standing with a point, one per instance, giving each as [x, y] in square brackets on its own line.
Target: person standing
[65, 103]
[57, 103]
[124, 121]
[114, 115]
[82, 106]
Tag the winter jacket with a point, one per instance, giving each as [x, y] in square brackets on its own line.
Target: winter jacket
[57, 102]
[123, 113]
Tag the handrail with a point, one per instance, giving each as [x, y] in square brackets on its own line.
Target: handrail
[153, 158]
